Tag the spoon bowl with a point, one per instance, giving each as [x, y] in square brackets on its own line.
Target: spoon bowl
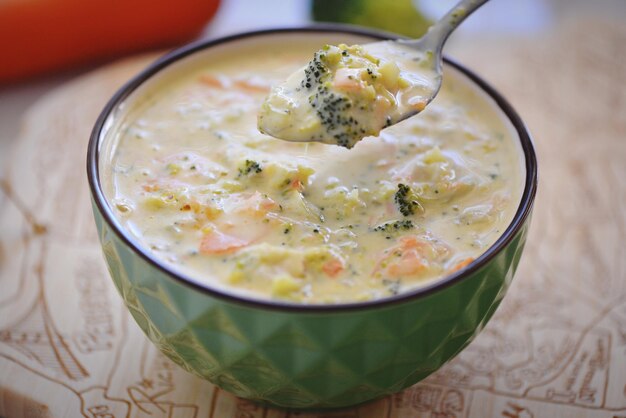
[349, 92]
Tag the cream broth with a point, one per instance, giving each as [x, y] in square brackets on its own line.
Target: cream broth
[346, 93]
[195, 182]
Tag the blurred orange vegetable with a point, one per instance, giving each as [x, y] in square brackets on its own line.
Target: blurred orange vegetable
[461, 264]
[44, 35]
[216, 242]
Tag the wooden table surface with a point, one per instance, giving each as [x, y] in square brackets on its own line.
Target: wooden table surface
[555, 348]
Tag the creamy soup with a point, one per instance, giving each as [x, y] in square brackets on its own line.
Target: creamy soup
[346, 93]
[196, 183]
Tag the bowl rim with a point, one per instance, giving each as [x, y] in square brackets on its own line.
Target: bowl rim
[97, 194]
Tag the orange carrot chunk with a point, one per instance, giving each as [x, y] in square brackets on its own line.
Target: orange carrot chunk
[461, 264]
[411, 262]
[252, 88]
[333, 267]
[210, 81]
[216, 242]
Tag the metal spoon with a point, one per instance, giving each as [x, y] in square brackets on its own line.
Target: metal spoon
[435, 38]
[305, 107]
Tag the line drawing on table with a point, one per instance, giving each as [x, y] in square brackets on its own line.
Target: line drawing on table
[148, 393]
[25, 240]
[47, 346]
[598, 360]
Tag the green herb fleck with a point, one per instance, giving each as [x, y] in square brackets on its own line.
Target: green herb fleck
[405, 224]
[392, 285]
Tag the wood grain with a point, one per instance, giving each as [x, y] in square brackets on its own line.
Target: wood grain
[555, 348]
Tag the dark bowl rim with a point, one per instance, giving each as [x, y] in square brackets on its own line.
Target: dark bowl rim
[519, 220]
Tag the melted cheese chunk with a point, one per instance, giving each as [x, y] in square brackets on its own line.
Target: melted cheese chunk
[201, 188]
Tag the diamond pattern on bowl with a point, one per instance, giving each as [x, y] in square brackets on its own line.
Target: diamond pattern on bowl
[305, 359]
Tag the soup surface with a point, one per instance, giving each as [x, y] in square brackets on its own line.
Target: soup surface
[195, 182]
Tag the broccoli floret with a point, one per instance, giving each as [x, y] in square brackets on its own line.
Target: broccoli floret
[406, 201]
[250, 167]
[332, 108]
[395, 226]
[333, 111]
[315, 71]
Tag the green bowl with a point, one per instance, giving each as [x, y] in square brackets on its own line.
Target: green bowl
[303, 356]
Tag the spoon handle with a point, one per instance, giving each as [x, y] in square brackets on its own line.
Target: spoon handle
[438, 33]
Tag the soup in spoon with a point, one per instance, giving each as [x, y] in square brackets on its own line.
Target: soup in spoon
[348, 92]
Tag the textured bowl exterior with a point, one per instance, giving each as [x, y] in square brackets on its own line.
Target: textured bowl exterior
[307, 359]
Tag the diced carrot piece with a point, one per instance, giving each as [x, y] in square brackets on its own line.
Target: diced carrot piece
[211, 81]
[417, 103]
[333, 267]
[296, 184]
[252, 88]
[258, 204]
[419, 106]
[150, 187]
[409, 242]
[409, 263]
[215, 82]
[410, 256]
[267, 204]
[216, 242]
[461, 264]
[348, 79]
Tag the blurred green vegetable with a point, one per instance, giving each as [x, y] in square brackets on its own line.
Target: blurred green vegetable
[399, 16]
